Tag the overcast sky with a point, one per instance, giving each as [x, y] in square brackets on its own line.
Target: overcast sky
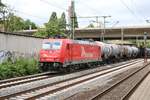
[127, 12]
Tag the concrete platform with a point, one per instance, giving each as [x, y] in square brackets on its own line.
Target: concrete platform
[143, 91]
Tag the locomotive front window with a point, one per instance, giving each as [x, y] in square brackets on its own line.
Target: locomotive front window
[52, 45]
[56, 45]
[46, 45]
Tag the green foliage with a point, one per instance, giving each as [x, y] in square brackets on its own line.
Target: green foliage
[28, 24]
[140, 43]
[90, 26]
[20, 68]
[41, 32]
[62, 21]
[1, 4]
[11, 22]
[54, 26]
[53, 17]
[3, 12]
[14, 23]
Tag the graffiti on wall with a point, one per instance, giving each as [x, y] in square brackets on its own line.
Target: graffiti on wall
[12, 56]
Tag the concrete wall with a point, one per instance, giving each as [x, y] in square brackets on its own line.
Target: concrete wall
[20, 44]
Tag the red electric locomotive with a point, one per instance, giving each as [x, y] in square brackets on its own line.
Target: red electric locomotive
[67, 54]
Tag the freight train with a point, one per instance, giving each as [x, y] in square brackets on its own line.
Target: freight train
[68, 54]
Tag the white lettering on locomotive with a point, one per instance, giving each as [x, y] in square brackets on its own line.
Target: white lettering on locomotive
[85, 54]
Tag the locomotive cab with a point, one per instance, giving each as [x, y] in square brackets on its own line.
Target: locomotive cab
[50, 54]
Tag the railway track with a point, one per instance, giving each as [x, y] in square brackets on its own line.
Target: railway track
[53, 87]
[25, 79]
[130, 82]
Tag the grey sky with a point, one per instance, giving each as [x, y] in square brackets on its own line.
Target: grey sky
[127, 12]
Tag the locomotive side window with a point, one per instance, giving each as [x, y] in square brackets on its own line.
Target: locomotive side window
[52, 45]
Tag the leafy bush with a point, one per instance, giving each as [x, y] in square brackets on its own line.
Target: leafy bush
[21, 67]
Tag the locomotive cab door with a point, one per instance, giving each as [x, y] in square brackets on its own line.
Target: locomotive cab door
[69, 53]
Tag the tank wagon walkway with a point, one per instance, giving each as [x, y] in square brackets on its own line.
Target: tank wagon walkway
[143, 91]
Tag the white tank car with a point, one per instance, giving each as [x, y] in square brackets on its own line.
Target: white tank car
[115, 50]
[110, 51]
[105, 49]
[148, 51]
[135, 51]
[122, 53]
[128, 51]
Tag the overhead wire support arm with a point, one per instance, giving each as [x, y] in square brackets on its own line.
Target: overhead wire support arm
[104, 31]
[104, 23]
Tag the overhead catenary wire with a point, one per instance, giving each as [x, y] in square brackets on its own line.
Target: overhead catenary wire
[28, 14]
[14, 10]
[89, 7]
[56, 6]
[131, 11]
[137, 12]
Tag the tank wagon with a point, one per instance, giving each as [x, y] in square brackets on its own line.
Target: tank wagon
[67, 54]
[112, 52]
[144, 52]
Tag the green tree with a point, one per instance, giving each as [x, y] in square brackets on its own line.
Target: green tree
[53, 17]
[52, 26]
[3, 12]
[41, 32]
[1, 4]
[14, 23]
[62, 23]
[10, 22]
[28, 24]
[90, 26]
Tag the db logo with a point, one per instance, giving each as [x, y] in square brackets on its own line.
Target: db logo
[85, 54]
